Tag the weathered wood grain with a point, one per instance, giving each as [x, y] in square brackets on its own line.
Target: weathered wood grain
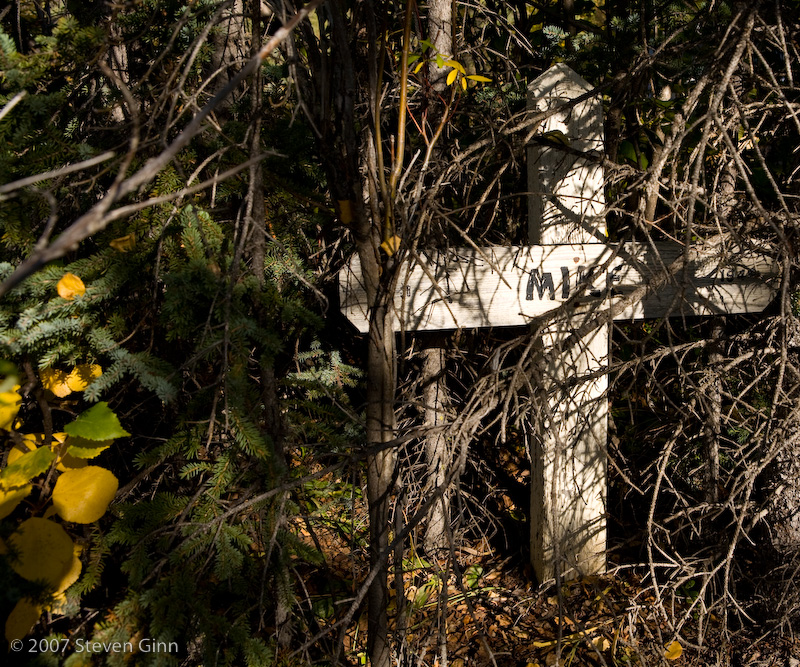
[511, 286]
[566, 205]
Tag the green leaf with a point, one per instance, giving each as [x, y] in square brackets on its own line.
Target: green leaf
[472, 575]
[556, 137]
[82, 448]
[26, 467]
[627, 152]
[98, 423]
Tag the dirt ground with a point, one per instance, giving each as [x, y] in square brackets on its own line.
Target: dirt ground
[498, 617]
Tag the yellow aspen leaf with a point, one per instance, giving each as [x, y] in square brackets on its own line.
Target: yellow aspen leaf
[391, 245]
[124, 243]
[22, 619]
[70, 286]
[455, 65]
[9, 407]
[673, 651]
[44, 551]
[10, 499]
[478, 77]
[82, 376]
[83, 495]
[30, 440]
[74, 571]
[56, 381]
[463, 83]
[345, 211]
[452, 76]
[601, 643]
[419, 66]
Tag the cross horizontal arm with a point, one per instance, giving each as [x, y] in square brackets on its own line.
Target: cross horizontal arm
[509, 286]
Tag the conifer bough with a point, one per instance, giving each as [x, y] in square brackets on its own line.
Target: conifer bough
[100, 215]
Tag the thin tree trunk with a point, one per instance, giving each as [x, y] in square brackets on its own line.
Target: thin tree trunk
[256, 210]
[381, 462]
[440, 30]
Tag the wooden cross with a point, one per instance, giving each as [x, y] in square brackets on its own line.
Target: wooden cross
[572, 275]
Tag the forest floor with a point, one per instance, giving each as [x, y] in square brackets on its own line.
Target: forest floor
[497, 616]
[479, 605]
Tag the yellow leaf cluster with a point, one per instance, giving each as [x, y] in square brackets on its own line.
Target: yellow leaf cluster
[63, 384]
[70, 286]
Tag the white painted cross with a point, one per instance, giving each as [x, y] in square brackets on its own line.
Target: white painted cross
[570, 274]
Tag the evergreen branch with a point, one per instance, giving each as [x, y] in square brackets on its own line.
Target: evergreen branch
[98, 217]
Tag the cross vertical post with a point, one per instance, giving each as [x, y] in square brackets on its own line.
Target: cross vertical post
[568, 459]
